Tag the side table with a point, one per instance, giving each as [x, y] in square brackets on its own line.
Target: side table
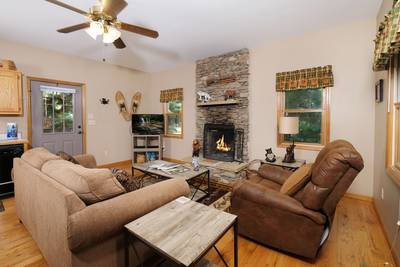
[290, 166]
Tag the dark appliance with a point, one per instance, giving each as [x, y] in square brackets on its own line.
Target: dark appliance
[7, 155]
[151, 124]
[219, 142]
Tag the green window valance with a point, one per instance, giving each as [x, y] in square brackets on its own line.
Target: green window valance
[171, 95]
[312, 78]
[387, 42]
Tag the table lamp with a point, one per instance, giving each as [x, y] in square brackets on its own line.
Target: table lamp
[289, 125]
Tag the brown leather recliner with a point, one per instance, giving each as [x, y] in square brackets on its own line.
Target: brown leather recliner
[295, 224]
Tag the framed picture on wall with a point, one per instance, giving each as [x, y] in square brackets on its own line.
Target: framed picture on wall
[379, 91]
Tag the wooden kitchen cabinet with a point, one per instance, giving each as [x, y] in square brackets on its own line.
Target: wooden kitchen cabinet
[10, 92]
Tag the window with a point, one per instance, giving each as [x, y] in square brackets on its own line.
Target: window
[58, 112]
[393, 122]
[312, 108]
[173, 112]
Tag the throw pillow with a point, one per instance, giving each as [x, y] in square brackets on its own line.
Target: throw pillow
[297, 180]
[91, 185]
[67, 157]
[129, 182]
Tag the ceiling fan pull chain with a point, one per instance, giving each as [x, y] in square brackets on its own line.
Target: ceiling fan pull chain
[102, 52]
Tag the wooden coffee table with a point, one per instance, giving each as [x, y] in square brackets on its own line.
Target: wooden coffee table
[182, 231]
[189, 175]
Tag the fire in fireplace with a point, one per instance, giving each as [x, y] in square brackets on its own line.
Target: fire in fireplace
[222, 146]
[219, 142]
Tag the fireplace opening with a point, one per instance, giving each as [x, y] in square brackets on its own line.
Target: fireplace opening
[219, 142]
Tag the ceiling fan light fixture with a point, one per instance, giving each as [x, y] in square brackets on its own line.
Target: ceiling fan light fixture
[91, 34]
[111, 35]
[96, 28]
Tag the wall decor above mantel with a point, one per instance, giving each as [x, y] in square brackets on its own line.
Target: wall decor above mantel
[219, 78]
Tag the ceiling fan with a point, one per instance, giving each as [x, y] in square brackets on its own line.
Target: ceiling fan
[103, 21]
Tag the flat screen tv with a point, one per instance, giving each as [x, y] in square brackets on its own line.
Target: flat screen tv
[148, 124]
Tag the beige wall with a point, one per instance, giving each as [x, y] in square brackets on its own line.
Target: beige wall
[347, 48]
[388, 207]
[111, 133]
[180, 77]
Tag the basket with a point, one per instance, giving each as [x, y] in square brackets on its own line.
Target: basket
[6, 64]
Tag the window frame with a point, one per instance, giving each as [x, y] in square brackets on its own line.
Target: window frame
[393, 122]
[325, 127]
[166, 113]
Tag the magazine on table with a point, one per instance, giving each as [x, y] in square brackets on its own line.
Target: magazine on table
[163, 165]
[168, 167]
[177, 170]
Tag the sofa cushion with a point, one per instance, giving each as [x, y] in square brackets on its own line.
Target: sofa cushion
[38, 156]
[297, 180]
[91, 185]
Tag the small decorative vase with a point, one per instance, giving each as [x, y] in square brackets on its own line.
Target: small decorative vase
[196, 163]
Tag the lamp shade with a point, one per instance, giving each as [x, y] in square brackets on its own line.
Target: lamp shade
[289, 125]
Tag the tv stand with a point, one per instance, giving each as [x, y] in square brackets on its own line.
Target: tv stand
[146, 148]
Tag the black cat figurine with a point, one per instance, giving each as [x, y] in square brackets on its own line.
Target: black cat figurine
[270, 156]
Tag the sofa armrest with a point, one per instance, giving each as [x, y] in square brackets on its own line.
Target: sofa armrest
[102, 220]
[86, 160]
[274, 173]
[273, 199]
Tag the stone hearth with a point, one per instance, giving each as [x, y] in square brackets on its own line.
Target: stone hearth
[223, 173]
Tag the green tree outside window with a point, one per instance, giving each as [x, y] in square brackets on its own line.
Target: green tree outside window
[311, 106]
[173, 119]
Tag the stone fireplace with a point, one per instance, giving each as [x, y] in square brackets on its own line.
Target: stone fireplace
[222, 123]
[219, 142]
[220, 120]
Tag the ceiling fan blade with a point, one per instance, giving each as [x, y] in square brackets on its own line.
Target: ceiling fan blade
[139, 30]
[113, 7]
[74, 27]
[119, 44]
[61, 4]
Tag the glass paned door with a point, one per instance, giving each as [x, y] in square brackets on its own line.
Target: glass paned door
[56, 115]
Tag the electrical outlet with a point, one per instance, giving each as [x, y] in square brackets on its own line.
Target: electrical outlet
[106, 153]
[382, 194]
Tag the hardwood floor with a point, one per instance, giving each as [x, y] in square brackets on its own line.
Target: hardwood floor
[357, 239]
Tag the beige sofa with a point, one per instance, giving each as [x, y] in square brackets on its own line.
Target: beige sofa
[71, 233]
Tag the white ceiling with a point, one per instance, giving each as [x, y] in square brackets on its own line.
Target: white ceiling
[189, 29]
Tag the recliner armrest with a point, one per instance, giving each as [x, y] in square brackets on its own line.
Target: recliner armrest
[274, 173]
[102, 220]
[270, 198]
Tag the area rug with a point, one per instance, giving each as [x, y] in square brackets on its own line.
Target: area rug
[1, 206]
[219, 198]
